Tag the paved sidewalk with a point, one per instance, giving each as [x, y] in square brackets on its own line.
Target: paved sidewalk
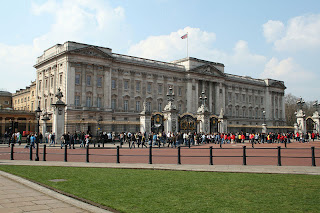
[308, 170]
[20, 195]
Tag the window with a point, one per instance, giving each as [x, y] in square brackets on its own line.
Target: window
[113, 84]
[250, 97]
[88, 101]
[138, 106]
[125, 105]
[39, 85]
[243, 98]
[46, 84]
[60, 78]
[229, 96]
[113, 104]
[77, 100]
[51, 101]
[99, 81]
[51, 84]
[32, 93]
[160, 89]
[180, 91]
[99, 102]
[126, 85]
[179, 107]
[88, 80]
[148, 106]
[159, 107]
[138, 86]
[256, 100]
[149, 88]
[237, 97]
[77, 79]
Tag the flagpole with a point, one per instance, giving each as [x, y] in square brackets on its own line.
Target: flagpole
[187, 45]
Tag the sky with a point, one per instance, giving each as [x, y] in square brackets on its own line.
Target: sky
[261, 39]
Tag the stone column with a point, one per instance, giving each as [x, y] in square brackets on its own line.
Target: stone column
[301, 122]
[145, 120]
[170, 114]
[58, 125]
[316, 119]
[3, 125]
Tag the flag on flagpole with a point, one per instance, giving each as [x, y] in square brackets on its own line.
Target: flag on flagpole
[184, 36]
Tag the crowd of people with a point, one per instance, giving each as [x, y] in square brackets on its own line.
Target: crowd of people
[163, 139]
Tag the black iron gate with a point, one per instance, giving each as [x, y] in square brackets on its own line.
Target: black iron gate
[187, 123]
[157, 123]
[213, 124]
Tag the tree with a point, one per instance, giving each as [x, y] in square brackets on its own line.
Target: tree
[291, 107]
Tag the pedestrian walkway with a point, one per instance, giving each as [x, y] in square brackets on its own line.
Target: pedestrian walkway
[20, 195]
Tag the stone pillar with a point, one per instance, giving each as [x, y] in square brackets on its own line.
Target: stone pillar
[301, 122]
[3, 125]
[58, 126]
[203, 115]
[170, 114]
[145, 120]
[316, 119]
[223, 122]
[264, 128]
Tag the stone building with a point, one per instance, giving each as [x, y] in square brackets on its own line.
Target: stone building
[5, 99]
[105, 91]
[25, 99]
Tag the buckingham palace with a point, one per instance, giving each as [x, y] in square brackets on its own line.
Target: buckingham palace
[106, 91]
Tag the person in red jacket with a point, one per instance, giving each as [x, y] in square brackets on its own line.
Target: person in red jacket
[312, 136]
[243, 137]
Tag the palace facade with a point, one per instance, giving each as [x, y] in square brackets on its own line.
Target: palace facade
[105, 91]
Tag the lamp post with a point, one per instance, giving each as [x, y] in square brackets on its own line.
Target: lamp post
[38, 113]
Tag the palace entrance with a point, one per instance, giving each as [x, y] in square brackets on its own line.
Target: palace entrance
[213, 124]
[187, 123]
[310, 125]
[157, 122]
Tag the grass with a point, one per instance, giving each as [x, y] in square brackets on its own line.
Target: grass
[128, 190]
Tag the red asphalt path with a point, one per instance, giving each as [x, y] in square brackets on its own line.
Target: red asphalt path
[296, 154]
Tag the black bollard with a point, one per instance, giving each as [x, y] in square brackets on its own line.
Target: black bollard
[65, 153]
[220, 144]
[252, 144]
[30, 152]
[44, 152]
[313, 156]
[150, 154]
[12, 145]
[87, 154]
[189, 143]
[37, 152]
[211, 156]
[118, 154]
[179, 155]
[244, 156]
[279, 155]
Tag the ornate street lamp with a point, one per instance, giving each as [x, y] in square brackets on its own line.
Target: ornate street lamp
[38, 113]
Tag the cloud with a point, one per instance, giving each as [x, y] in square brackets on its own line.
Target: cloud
[93, 22]
[201, 45]
[297, 80]
[82, 21]
[300, 33]
[273, 30]
[171, 47]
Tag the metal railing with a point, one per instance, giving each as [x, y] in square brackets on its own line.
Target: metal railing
[208, 153]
